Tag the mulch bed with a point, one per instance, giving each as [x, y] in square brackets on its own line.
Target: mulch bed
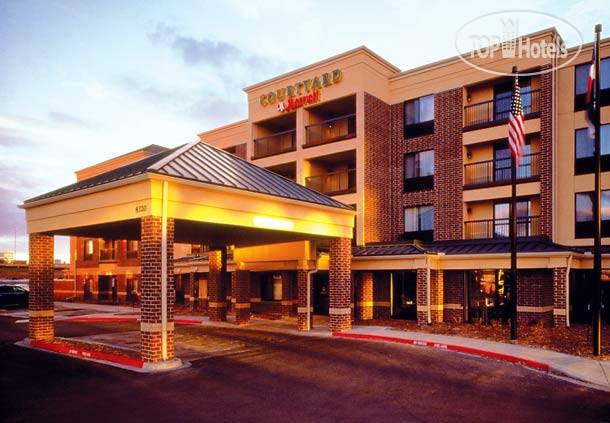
[575, 340]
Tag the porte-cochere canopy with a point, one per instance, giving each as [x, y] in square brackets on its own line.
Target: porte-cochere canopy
[195, 194]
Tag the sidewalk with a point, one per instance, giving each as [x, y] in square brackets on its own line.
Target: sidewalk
[587, 370]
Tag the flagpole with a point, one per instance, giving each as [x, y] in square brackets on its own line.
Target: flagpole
[513, 240]
[597, 253]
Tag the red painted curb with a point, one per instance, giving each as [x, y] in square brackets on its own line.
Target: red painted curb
[84, 353]
[459, 348]
[124, 319]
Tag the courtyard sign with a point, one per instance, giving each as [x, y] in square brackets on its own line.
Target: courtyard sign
[301, 93]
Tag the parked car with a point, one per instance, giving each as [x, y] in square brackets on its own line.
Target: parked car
[13, 295]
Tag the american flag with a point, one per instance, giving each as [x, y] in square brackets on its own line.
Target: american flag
[590, 99]
[516, 130]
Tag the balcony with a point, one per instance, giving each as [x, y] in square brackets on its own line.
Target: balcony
[498, 172]
[528, 226]
[107, 254]
[331, 130]
[495, 112]
[278, 143]
[334, 183]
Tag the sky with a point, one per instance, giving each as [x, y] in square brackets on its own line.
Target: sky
[84, 81]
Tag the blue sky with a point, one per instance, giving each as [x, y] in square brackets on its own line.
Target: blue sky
[83, 81]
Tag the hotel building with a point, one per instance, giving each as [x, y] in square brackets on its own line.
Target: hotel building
[422, 157]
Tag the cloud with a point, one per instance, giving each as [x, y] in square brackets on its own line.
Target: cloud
[11, 138]
[69, 120]
[215, 54]
[216, 110]
[149, 92]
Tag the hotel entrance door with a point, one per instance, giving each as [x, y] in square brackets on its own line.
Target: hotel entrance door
[404, 300]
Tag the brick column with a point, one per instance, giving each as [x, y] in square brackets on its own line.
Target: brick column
[193, 291]
[364, 296]
[287, 297]
[240, 280]
[40, 271]
[339, 285]
[217, 305]
[302, 299]
[560, 280]
[535, 296]
[150, 328]
[436, 296]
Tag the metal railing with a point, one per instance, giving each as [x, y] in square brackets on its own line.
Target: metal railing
[281, 142]
[497, 110]
[500, 228]
[499, 171]
[330, 130]
[107, 254]
[334, 183]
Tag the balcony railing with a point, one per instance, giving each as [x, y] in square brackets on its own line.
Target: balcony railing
[331, 130]
[492, 112]
[107, 254]
[500, 228]
[496, 172]
[334, 183]
[281, 142]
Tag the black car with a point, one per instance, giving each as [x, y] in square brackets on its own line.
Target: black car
[13, 295]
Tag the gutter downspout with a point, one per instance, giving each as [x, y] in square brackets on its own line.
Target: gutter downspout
[428, 290]
[164, 271]
[568, 267]
[309, 274]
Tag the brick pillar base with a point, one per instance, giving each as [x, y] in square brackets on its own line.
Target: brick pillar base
[41, 325]
[560, 280]
[217, 306]
[340, 285]
[240, 280]
[151, 337]
[302, 300]
[364, 296]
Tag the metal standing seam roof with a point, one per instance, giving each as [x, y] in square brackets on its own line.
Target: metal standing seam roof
[474, 247]
[202, 162]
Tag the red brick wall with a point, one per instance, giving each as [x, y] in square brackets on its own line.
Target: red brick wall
[150, 339]
[381, 295]
[241, 293]
[446, 141]
[559, 295]
[302, 299]
[377, 154]
[340, 284]
[364, 295]
[453, 292]
[41, 324]
[217, 305]
[535, 289]
[436, 296]
[546, 150]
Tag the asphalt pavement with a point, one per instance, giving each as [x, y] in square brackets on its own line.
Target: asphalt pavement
[261, 376]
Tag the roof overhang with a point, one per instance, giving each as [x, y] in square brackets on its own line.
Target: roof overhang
[259, 215]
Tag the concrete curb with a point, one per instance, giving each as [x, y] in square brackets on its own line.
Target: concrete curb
[538, 365]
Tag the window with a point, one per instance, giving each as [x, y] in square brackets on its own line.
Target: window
[88, 250]
[419, 171]
[107, 250]
[503, 93]
[503, 160]
[271, 287]
[524, 219]
[419, 222]
[132, 249]
[584, 227]
[584, 149]
[581, 77]
[419, 116]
